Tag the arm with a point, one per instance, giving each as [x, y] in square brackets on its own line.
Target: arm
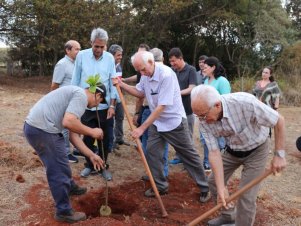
[54, 86]
[71, 122]
[79, 144]
[188, 90]
[153, 116]
[130, 79]
[279, 163]
[76, 76]
[216, 163]
[131, 89]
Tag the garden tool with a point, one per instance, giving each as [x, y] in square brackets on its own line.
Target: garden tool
[231, 198]
[139, 148]
[104, 210]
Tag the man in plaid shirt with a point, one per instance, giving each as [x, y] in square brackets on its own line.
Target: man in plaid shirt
[244, 122]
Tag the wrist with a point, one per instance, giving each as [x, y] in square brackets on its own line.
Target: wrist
[112, 106]
[280, 153]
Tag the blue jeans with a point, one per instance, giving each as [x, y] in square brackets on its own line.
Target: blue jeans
[221, 143]
[65, 133]
[51, 150]
[145, 114]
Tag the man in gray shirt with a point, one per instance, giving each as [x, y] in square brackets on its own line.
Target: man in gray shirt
[62, 76]
[43, 131]
[166, 123]
[244, 122]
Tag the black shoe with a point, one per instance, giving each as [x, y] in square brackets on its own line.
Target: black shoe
[123, 143]
[72, 158]
[205, 196]
[77, 190]
[207, 169]
[78, 154]
[71, 218]
[150, 192]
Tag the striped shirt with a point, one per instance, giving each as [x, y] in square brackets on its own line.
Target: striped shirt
[163, 89]
[245, 123]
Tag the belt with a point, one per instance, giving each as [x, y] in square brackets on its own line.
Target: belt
[239, 154]
[145, 107]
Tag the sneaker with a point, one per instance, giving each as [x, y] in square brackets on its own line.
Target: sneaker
[205, 196]
[77, 154]
[150, 193]
[207, 168]
[222, 220]
[72, 158]
[87, 171]
[71, 217]
[77, 190]
[106, 174]
[175, 161]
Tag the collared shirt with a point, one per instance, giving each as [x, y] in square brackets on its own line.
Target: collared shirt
[163, 89]
[86, 65]
[245, 123]
[63, 71]
[186, 77]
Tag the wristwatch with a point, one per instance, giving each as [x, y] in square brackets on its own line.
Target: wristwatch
[280, 153]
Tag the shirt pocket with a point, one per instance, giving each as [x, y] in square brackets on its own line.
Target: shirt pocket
[241, 137]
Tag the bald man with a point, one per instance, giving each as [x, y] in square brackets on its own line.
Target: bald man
[62, 76]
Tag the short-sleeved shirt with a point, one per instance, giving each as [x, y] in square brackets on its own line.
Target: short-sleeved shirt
[63, 71]
[221, 84]
[163, 89]
[200, 78]
[186, 77]
[48, 113]
[245, 123]
[86, 65]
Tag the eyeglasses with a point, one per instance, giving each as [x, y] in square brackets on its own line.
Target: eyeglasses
[204, 116]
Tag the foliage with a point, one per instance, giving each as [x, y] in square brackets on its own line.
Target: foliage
[243, 34]
[93, 81]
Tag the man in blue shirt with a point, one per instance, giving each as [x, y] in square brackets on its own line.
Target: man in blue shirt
[91, 62]
[62, 76]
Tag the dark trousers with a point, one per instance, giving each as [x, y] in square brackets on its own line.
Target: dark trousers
[90, 119]
[181, 141]
[51, 150]
[118, 128]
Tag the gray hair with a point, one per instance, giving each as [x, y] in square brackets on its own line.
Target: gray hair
[158, 54]
[146, 56]
[99, 33]
[206, 93]
[115, 48]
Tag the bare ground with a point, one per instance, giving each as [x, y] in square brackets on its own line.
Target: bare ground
[26, 200]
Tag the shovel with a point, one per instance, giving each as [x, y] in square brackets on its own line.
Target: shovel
[104, 210]
[139, 147]
[231, 198]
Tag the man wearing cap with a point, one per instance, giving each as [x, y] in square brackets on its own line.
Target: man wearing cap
[43, 131]
[62, 76]
[91, 62]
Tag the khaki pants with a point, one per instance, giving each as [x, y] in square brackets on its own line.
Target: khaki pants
[253, 166]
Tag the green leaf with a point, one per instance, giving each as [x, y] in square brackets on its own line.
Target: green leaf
[93, 81]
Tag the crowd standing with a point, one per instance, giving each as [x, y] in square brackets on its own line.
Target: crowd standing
[233, 127]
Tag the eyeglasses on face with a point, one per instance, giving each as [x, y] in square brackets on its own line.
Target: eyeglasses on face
[204, 116]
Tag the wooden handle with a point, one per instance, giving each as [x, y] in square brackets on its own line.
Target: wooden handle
[231, 198]
[139, 147]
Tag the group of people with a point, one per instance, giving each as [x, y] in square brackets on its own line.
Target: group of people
[234, 127]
